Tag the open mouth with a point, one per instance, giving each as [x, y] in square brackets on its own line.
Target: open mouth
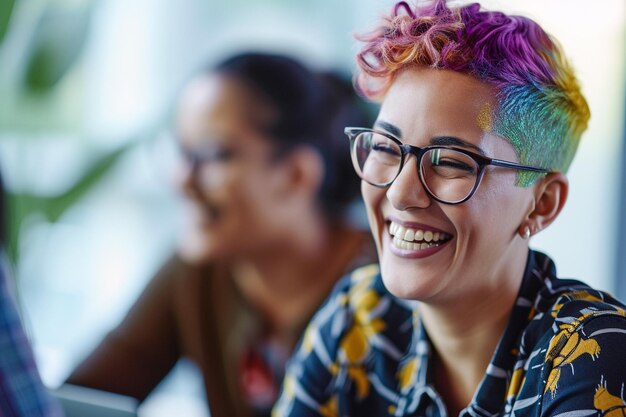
[409, 238]
[203, 213]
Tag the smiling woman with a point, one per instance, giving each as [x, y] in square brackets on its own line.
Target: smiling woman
[482, 249]
[481, 116]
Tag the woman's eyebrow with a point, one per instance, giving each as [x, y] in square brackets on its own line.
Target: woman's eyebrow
[393, 129]
[437, 140]
[453, 141]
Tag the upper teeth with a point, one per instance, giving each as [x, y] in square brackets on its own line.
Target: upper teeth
[410, 235]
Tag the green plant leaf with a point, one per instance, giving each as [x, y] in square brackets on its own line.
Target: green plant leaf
[56, 45]
[23, 205]
[6, 10]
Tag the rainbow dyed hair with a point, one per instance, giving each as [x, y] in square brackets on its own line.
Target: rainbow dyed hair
[541, 110]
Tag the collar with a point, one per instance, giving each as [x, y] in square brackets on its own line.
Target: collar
[417, 393]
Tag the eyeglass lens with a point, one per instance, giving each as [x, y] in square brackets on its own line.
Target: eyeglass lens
[448, 174]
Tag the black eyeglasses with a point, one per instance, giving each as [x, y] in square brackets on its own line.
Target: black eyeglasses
[449, 175]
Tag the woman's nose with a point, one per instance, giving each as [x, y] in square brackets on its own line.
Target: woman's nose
[187, 176]
[407, 190]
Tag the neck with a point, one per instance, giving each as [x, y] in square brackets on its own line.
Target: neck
[463, 343]
[286, 282]
[465, 334]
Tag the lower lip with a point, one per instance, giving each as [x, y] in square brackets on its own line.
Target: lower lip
[203, 219]
[414, 254]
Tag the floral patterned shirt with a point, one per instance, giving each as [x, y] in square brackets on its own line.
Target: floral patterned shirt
[365, 353]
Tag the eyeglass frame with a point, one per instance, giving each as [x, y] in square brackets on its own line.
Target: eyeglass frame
[407, 149]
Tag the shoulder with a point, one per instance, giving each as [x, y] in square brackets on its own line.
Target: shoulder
[583, 321]
[584, 359]
[565, 304]
[171, 294]
[570, 356]
[580, 336]
[579, 299]
[176, 275]
[571, 306]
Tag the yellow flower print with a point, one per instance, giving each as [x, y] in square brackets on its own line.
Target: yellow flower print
[359, 377]
[517, 381]
[608, 404]
[577, 295]
[355, 345]
[362, 304]
[331, 408]
[408, 373]
[355, 348]
[564, 350]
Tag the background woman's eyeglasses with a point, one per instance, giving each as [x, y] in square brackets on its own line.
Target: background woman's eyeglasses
[449, 175]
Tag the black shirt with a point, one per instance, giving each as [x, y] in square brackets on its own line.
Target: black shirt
[366, 353]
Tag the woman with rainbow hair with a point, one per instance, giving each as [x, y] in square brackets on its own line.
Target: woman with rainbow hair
[480, 117]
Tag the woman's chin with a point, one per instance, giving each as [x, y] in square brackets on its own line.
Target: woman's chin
[409, 285]
[198, 248]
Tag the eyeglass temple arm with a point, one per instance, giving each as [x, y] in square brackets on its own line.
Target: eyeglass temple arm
[513, 165]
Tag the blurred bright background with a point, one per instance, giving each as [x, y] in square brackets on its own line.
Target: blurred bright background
[86, 89]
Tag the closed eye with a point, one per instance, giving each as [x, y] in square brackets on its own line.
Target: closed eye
[381, 147]
[454, 164]
[209, 155]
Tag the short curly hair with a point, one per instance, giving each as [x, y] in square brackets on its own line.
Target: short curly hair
[541, 110]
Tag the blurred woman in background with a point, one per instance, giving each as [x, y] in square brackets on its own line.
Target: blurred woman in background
[267, 183]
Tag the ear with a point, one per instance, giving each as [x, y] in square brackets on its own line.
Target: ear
[550, 196]
[305, 171]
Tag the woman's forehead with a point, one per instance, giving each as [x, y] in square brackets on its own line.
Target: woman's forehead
[439, 87]
[216, 102]
[434, 99]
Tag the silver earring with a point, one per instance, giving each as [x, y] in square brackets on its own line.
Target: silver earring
[526, 233]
